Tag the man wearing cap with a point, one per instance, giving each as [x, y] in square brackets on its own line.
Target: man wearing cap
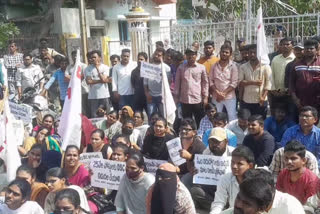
[208, 59]
[192, 87]
[203, 195]
[279, 93]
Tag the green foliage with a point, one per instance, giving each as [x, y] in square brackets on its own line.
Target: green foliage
[184, 9]
[8, 30]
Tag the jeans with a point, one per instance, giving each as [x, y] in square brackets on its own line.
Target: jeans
[95, 103]
[203, 196]
[230, 105]
[126, 100]
[155, 106]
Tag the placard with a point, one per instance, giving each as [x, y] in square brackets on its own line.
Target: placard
[21, 112]
[174, 146]
[210, 168]
[96, 120]
[150, 71]
[152, 165]
[106, 173]
[86, 158]
[18, 128]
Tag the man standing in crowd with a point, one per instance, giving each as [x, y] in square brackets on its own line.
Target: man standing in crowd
[259, 141]
[153, 88]
[279, 93]
[191, 87]
[114, 59]
[305, 132]
[44, 44]
[84, 86]
[304, 79]
[97, 77]
[121, 80]
[28, 75]
[12, 62]
[223, 80]
[196, 46]
[140, 101]
[255, 79]
[203, 195]
[208, 59]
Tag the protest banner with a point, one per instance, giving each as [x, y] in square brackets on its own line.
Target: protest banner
[107, 173]
[18, 128]
[210, 168]
[152, 165]
[150, 71]
[96, 120]
[174, 146]
[86, 158]
[21, 112]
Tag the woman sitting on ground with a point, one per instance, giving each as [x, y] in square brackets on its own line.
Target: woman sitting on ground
[111, 126]
[17, 199]
[48, 122]
[138, 118]
[98, 144]
[154, 146]
[133, 187]
[76, 172]
[39, 138]
[56, 180]
[68, 201]
[39, 191]
[34, 160]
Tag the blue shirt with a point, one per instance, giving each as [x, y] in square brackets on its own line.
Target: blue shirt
[277, 129]
[310, 141]
[232, 138]
[63, 85]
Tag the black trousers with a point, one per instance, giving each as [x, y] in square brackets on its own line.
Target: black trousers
[256, 108]
[193, 110]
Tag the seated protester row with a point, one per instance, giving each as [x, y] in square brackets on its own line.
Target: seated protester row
[34, 161]
[306, 132]
[56, 181]
[276, 125]
[133, 186]
[296, 179]
[257, 194]
[76, 172]
[17, 199]
[203, 195]
[98, 144]
[242, 159]
[154, 146]
[168, 194]
[207, 121]
[259, 141]
[278, 162]
[39, 191]
[111, 125]
[220, 120]
[240, 126]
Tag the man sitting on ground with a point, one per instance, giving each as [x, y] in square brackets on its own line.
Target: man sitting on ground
[240, 126]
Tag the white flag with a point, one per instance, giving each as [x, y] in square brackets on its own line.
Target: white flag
[169, 106]
[70, 121]
[8, 145]
[262, 47]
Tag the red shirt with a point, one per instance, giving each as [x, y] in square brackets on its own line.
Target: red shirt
[302, 189]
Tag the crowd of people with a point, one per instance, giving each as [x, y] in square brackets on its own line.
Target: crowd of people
[264, 117]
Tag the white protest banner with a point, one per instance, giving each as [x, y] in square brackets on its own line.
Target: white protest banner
[150, 71]
[152, 165]
[21, 112]
[174, 146]
[86, 158]
[18, 128]
[107, 173]
[210, 168]
[96, 120]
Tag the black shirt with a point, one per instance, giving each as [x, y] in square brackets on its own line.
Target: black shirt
[155, 147]
[262, 148]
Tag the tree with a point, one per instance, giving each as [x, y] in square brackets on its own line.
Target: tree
[184, 9]
[8, 30]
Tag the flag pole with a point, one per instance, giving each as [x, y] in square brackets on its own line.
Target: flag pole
[164, 94]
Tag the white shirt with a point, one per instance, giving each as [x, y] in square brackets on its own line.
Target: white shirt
[227, 190]
[283, 203]
[235, 128]
[121, 78]
[29, 207]
[28, 76]
[99, 90]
